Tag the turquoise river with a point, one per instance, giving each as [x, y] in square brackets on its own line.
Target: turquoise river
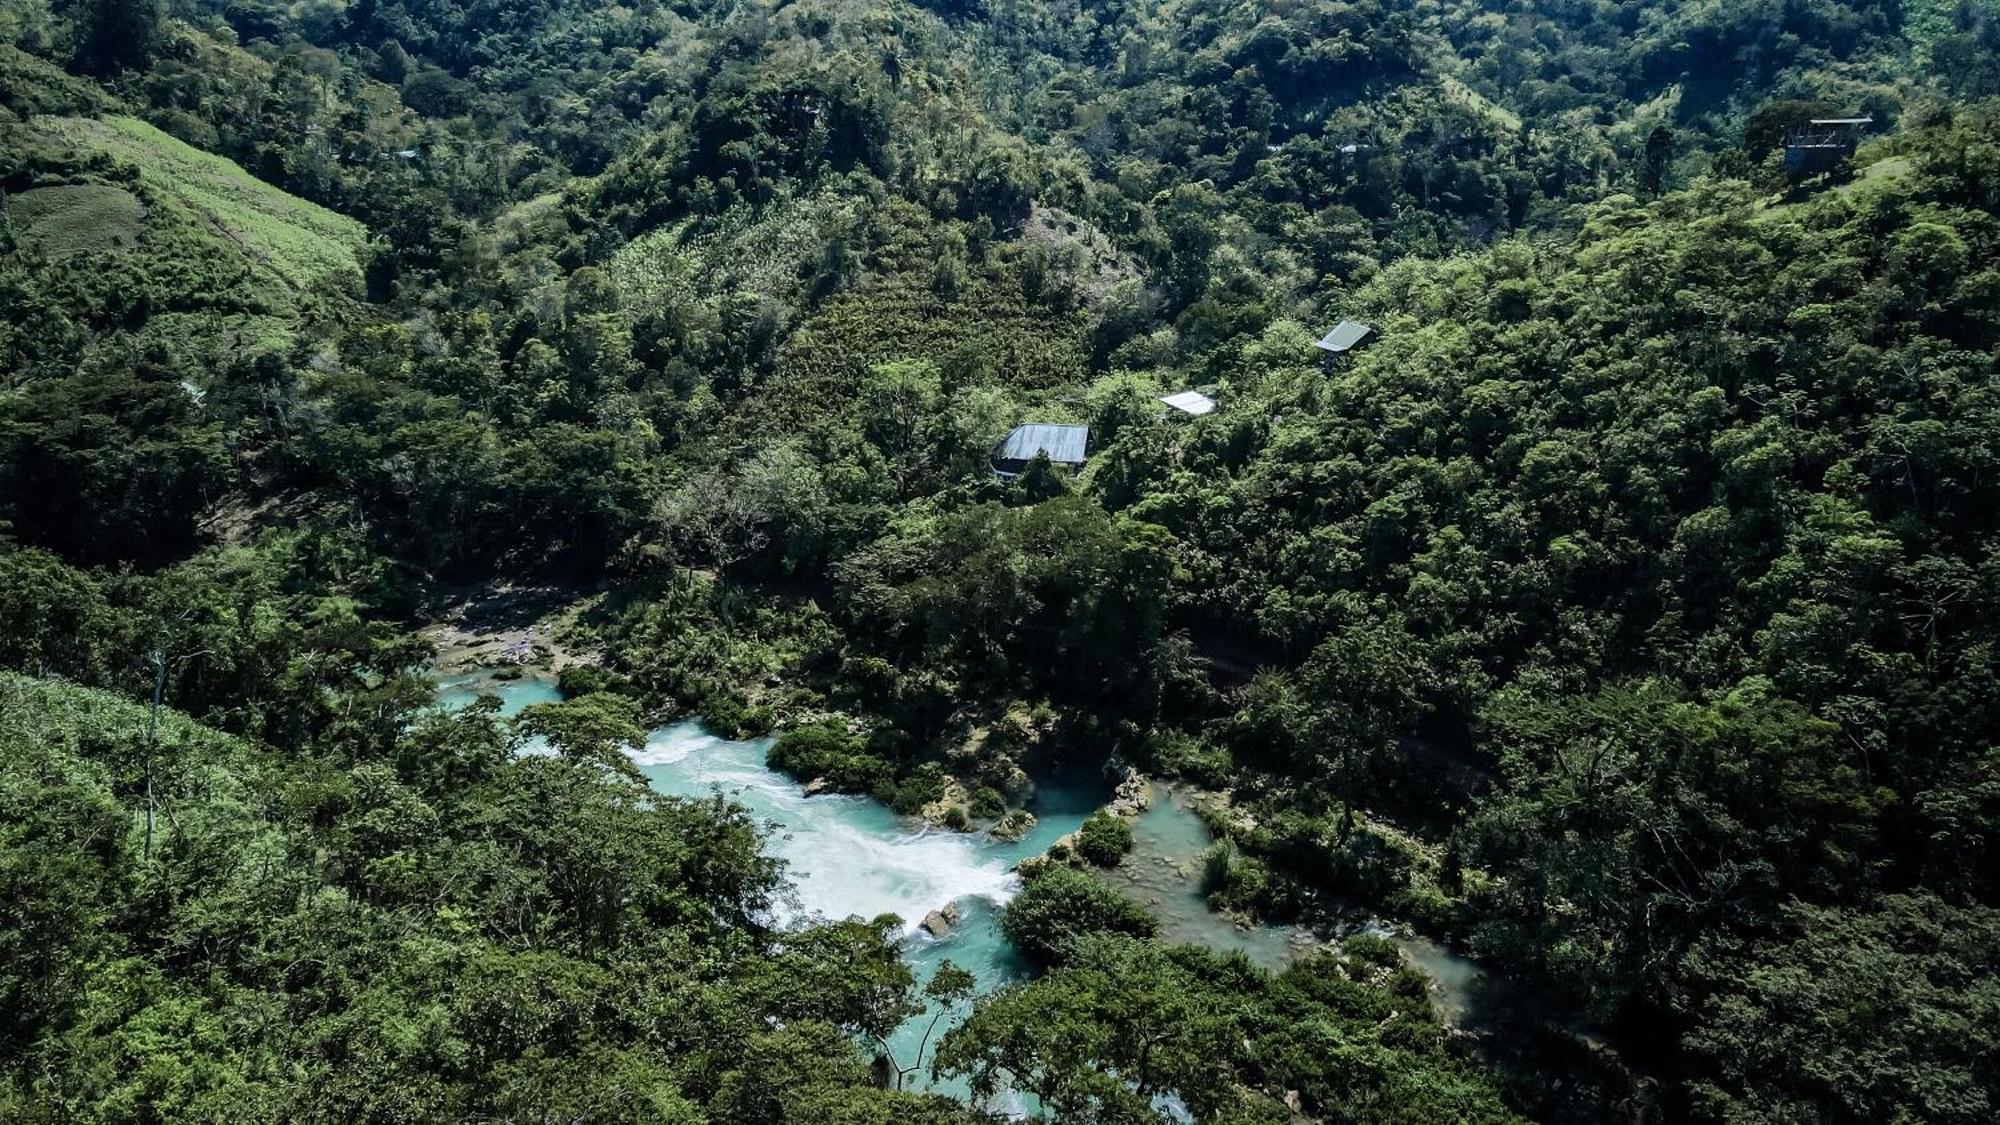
[852, 856]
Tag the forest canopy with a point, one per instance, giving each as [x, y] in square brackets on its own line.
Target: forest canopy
[1622, 614]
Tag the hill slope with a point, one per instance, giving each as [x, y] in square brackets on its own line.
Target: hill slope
[296, 243]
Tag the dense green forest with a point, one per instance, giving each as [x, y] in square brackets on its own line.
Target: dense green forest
[1626, 615]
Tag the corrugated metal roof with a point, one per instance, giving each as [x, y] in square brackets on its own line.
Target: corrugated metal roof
[1345, 335]
[1065, 445]
[1190, 402]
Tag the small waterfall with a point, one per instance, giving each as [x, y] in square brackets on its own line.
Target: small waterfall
[852, 855]
[846, 855]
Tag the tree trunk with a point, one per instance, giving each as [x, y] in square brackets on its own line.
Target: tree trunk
[152, 740]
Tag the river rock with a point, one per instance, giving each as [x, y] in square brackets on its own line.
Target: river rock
[1132, 796]
[1013, 826]
[936, 924]
[949, 810]
[817, 786]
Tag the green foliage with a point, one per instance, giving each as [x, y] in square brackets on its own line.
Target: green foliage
[1122, 1021]
[1061, 905]
[586, 679]
[526, 909]
[689, 639]
[31, 85]
[1177, 754]
[1276, 869]
[1057, 593]
[292, 242]
[730, 716]
[911, 794]
[597, 727]
[1104, 839]
[75, 219]
[116, 35]
[109, 469]
[1234, 880]
[1626, 609]
[1765, 802]
[829, 752]
[988, 803]
[1876, 1013]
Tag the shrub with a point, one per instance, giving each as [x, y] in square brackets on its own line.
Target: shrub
[1218, 863]
[1184, 756]
[583, 679]
[1061, 904]
[988, 804]
[1014, 825]
[1104, 839]
[1236, 880]
[830, 752]
[724, 714]
[1374, 950]
[910, 796]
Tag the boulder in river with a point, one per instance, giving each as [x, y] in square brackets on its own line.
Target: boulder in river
[1132, 796]
[1013, 826]
[817, 786]
[936, 924]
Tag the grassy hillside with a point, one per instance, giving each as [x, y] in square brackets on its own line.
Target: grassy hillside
[143, 240]
[290, 240]
[76, 218]
[51, 713]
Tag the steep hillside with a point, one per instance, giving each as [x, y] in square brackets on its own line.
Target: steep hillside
[293, 243]
[1620, 613]
[150, 238]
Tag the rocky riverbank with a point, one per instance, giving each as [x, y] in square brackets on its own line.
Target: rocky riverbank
[1130, 798]
[510, 629]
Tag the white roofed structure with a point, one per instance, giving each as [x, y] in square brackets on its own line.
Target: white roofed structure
[1062, 444]
[1345, 337]
[1190, 402]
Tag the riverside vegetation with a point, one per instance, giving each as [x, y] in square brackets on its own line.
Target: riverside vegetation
[1625, 616]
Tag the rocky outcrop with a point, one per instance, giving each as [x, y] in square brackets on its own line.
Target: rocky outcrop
[950, 810]
[817, 786]
[1132, 795]
[1013, 826]
[509, 627]
[938, 923]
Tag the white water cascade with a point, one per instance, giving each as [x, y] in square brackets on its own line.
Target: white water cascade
[845, 855]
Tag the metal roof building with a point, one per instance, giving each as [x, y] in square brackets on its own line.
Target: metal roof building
[1190, 402]
[1821, 144]
[1345, 337]
[1063, 445]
